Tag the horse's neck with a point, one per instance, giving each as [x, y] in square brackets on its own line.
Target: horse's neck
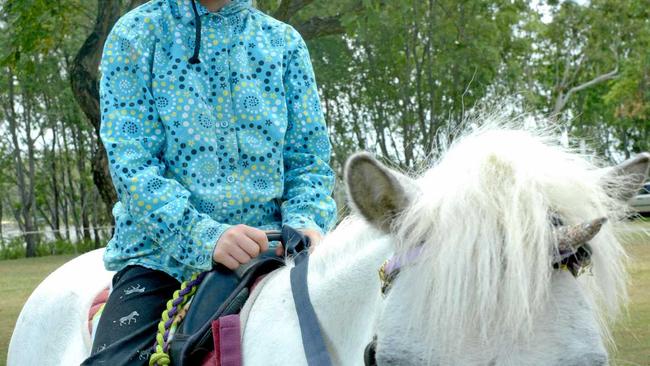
[345, 290]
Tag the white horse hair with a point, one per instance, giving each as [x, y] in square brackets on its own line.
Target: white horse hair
[482, 215]
[482, 291]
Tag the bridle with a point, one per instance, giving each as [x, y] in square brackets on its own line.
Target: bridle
[391, 267]
[573, 254]
[575, 260]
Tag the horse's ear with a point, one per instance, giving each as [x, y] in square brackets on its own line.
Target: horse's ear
[632, 172]
[375, 191]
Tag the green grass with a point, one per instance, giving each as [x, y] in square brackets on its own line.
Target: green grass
[19, 277]
[632, 333]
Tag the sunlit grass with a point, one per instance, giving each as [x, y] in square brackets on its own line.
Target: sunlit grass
[632, 333]
[18, 278]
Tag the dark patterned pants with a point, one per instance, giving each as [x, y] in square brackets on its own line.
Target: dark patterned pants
[127, 328]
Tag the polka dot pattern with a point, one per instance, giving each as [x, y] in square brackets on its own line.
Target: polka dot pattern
[194, 149]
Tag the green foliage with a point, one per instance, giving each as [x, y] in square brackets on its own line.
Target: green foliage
[38, 26]
[581, 44]
[38, 42]
[398, 78]
[15, 248]
[411, 69]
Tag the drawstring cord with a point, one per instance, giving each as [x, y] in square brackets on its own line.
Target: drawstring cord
[197, 41]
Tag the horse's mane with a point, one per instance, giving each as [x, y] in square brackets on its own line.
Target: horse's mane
[483, 215]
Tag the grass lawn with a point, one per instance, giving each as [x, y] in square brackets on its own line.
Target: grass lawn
[18, 278]
[632, 334]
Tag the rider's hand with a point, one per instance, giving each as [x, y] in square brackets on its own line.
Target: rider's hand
[238, 245]
[314, 238]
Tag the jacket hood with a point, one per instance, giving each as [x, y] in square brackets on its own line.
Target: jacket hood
[182, 9]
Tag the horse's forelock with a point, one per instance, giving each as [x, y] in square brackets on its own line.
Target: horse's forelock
[483, 215]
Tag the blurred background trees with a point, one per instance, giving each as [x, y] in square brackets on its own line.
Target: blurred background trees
[396, 78]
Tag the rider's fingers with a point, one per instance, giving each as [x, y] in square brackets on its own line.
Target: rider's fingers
[279, 251]
[230, 262]
[249, 246]
[259, 237]
[239, 254]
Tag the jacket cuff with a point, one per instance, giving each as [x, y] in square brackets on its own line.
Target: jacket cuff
[207, 234]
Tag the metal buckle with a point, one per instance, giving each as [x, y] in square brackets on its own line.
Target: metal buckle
[386, 278]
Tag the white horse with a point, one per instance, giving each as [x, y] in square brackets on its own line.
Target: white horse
[480, 290]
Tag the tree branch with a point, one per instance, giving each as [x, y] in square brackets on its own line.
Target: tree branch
[599, 79]
[289, 8]
[318, 27]
[563, 99]
[315, 26]
[135, 3]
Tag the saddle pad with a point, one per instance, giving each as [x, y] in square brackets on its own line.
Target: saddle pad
[227, 344]
[96, 309]
[221, 352]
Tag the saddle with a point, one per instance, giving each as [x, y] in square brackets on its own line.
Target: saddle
[224, 292]
[221, 293]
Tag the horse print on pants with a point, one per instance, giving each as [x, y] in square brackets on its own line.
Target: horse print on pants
[144, 354]
[133, 289]
[101, 348]
[127, 320]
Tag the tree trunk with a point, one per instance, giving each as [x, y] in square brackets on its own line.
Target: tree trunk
[135, 3]
[62, 177]
[31, 163]
[315, 26]
[84, 79]
[2, 238]
[98, 239]
[26, 200]
[54, 211]
[71, 197]
[78, 143]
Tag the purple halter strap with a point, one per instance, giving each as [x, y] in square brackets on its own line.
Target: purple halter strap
[391, 267]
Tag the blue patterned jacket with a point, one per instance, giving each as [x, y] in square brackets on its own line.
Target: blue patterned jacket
[194, 148]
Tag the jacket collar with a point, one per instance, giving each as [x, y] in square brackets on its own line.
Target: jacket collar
[182, 9]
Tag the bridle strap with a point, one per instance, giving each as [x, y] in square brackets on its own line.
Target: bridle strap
[576, 261]
[391, 268]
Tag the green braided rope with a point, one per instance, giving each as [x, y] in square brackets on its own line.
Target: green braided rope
[160, 357]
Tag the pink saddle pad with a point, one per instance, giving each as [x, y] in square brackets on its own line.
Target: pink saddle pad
[98, 302]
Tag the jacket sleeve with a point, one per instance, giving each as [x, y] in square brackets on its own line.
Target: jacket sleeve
[307, 199]
[134, 138]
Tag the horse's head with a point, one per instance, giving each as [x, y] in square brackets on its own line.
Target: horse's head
[479, 235]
